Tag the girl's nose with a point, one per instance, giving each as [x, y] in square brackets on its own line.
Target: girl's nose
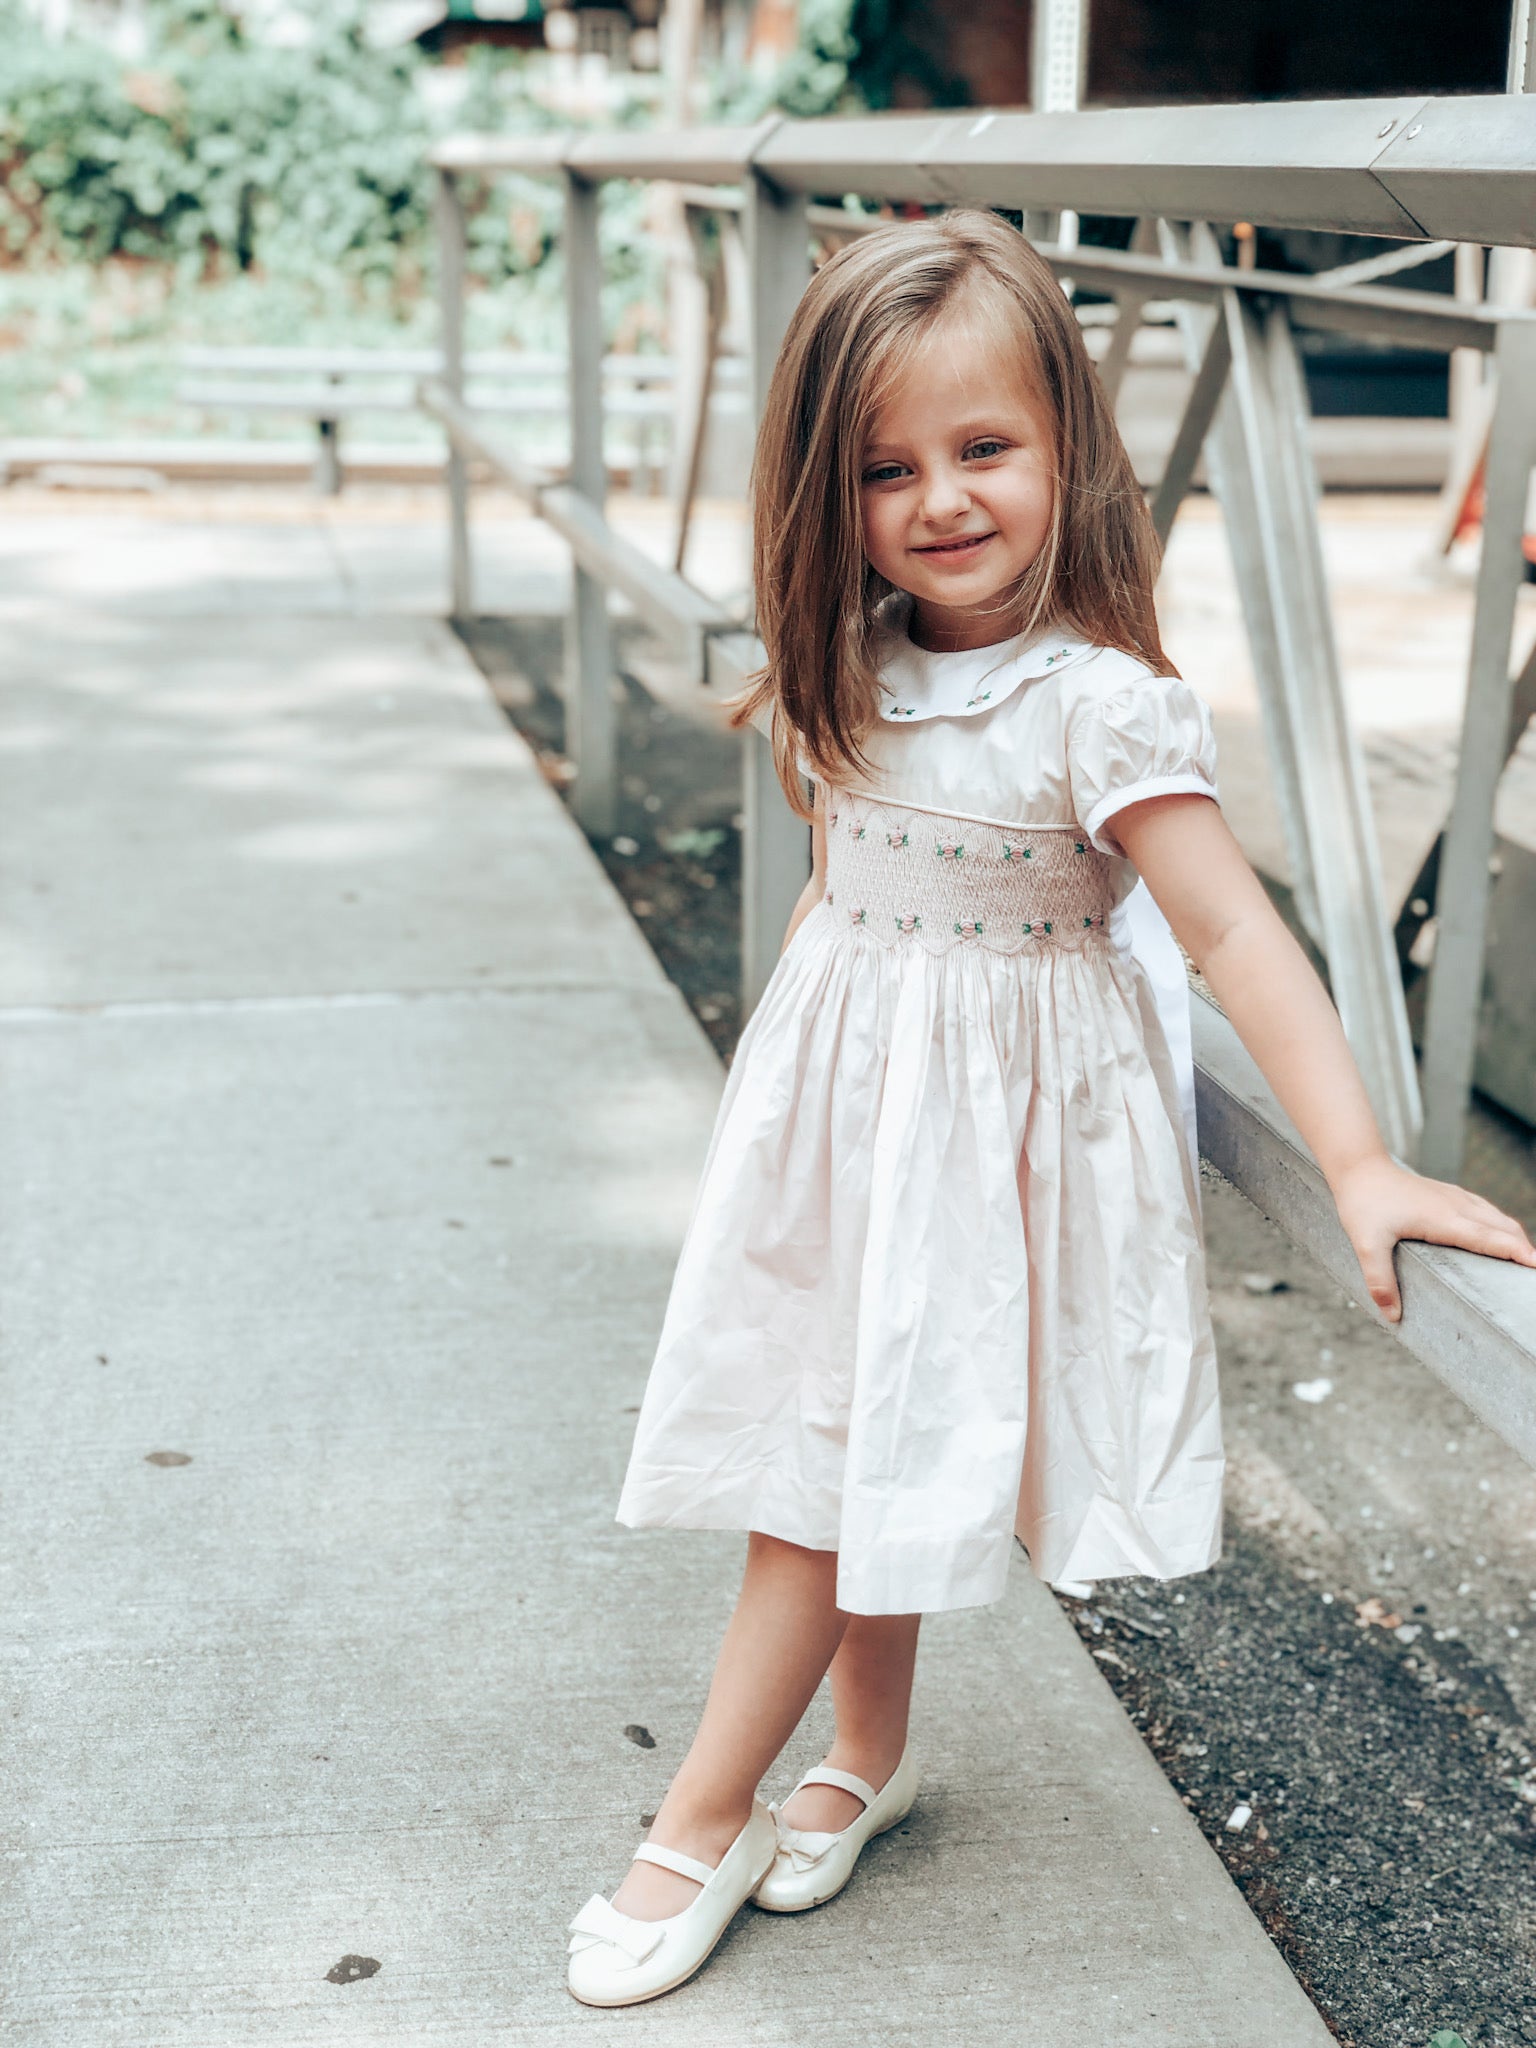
[944, 496]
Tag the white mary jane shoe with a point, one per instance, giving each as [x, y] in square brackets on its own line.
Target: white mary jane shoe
[618, 1960]
[811, 1868]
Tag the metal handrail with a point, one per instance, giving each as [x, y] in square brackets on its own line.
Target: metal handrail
[1457, 169]
[1419, 169]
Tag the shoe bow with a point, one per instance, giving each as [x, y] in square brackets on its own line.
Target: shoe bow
[600, 1920]
[804, 1849]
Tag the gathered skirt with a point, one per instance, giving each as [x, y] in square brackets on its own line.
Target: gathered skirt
[943, 1281]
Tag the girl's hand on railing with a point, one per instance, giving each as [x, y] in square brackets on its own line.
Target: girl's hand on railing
[1279, 1009]
[1380, 1202]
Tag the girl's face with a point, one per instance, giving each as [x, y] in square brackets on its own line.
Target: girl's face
[956, 487]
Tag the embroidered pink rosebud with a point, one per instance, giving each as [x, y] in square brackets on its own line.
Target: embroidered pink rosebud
[1093, 921]
[833, 816]
[1039, 928]
[1013, 849]
[981, 697]
[908, 921]
[896, 840]
[858, 831]
[970, 929]
[950, 849]
[857, 916]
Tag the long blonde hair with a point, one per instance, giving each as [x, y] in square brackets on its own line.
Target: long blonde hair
[862, 316]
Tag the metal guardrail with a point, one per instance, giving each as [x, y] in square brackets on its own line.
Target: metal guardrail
[1421, 169]
[1416, 168]
[1471, 1320]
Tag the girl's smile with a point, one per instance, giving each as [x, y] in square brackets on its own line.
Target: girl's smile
[955, 550]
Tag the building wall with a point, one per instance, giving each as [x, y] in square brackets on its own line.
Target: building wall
[920, 53]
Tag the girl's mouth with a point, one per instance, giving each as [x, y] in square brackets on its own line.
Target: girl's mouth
[952, 550]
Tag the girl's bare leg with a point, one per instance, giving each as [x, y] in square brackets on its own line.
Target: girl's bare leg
[777, 1647]
[871, 1693]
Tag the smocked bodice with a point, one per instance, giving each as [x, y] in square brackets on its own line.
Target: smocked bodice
[907, 876]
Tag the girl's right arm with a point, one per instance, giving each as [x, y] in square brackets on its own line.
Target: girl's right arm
[1226, 923]
[811, 894]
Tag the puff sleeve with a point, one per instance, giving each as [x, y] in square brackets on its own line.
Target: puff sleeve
[1150, 736]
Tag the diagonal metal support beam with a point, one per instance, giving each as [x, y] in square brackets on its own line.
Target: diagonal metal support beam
[1232, 481]
[1262, 470]
[1461, 927]
[1370, 268]
[1271, 406]
[1418, 905]
[1129, 303]
[1199, 413]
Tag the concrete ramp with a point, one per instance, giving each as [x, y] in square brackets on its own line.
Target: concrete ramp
[349, 1134]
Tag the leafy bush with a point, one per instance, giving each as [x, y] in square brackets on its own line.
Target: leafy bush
[215, 148]
[222, 189]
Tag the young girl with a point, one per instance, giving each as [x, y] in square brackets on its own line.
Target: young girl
[943, 1282]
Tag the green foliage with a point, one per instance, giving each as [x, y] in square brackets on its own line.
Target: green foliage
[816, 78]
[224, 190]
[214, 151]
[221, 156]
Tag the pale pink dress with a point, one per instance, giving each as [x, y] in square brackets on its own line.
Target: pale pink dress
[943, 1283]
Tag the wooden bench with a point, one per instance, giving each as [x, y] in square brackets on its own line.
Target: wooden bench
[329, 385]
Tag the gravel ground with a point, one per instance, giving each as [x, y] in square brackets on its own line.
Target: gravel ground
[1359, 1669]
[1356, 1669]
[676, 857]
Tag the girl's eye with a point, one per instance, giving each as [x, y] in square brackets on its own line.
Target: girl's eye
[987, 447]
[883, 473]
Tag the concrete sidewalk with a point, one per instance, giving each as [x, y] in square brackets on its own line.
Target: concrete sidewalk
[350, 1130]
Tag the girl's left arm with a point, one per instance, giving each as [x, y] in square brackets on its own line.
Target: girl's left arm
[1280, 1010]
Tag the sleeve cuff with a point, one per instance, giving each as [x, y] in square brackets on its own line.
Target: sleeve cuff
[1135, 793]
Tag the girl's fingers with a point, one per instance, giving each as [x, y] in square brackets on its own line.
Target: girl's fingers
[1484, 1229]
[1495, 1241]
[1487, 1213]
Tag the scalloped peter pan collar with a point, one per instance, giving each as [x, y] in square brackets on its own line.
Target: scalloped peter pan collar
[917, 684]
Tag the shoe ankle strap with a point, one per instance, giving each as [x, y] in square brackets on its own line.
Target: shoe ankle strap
[825, 1774]
[674, 1859]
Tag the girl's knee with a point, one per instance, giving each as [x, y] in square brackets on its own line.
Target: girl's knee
[762, 1546]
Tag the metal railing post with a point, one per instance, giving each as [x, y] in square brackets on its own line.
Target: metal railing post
[1461, 901]
[775, 852]
[591, 722]
[448, 213]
